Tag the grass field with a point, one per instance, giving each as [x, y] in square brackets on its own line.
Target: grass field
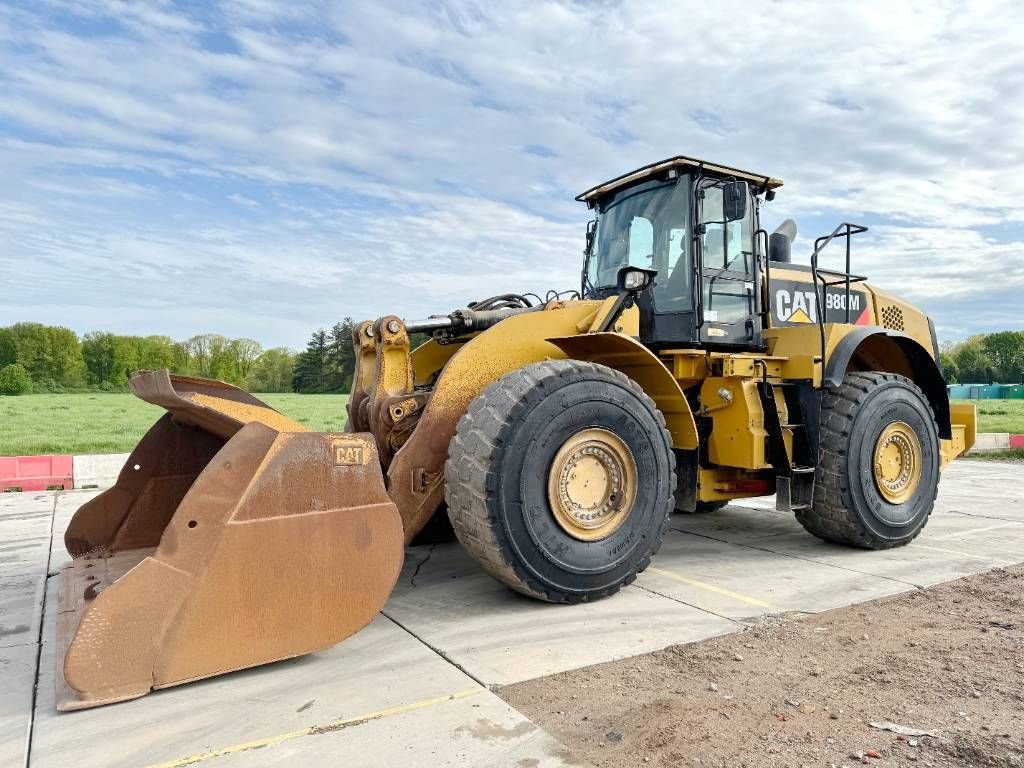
[999, 415]
[113, 423]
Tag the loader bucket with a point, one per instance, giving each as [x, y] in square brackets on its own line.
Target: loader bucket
[231, 539]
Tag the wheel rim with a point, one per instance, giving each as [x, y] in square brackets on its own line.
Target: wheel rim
[897, 464]
[592, 484]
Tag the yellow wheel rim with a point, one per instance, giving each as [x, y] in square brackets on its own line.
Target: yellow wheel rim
[897, 464]
[592, 484]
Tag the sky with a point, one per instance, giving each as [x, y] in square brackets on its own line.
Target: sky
[262, 169]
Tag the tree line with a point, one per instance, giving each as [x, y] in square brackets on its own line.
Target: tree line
[985, 359]
[43, 358]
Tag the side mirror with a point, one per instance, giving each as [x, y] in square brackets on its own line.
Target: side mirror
[734, 198]
[591, 232]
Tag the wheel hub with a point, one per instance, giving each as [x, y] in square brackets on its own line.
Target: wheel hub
[592, 484]
[897, 462]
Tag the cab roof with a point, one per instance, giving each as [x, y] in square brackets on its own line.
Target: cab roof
[759, 180]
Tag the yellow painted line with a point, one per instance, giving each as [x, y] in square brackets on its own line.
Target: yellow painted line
[313, 730]
[712, 588]
[956, 552]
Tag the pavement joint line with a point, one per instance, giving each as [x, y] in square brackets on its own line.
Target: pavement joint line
[712, 588]
[315, 730]
[30, 733]
[984, 517]
[689, 605]
[18, 645]
[438, 651]
[956, 552]
[799, 557]
[973, 531]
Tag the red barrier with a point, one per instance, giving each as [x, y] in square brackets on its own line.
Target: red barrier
[1017, 441]
[35, 473]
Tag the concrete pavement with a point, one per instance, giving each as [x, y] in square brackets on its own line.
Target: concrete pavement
[412, 688]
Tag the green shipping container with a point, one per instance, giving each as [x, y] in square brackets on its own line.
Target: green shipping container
[1013, 391]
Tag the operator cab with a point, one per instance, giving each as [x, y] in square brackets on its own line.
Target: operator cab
[695, 223]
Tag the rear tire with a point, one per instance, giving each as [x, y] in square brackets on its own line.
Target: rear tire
[862, 495]
[506, 455]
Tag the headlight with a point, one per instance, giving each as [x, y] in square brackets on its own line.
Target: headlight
[634, 279]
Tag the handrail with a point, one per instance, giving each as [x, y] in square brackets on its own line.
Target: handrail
[846, 231]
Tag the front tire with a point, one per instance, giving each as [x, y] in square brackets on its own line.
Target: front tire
[560, 480]
[878, 472]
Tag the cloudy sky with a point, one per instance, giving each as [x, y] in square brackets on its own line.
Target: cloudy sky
[261, 169]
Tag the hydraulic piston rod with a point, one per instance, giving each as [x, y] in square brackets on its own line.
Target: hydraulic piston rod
[463, 320]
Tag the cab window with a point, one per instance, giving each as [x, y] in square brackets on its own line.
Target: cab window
[728, 261]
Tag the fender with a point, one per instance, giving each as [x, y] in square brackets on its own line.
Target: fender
[924, 370]
[632, 358]
[415, 478]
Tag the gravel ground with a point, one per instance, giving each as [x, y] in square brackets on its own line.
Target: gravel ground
[802, 690]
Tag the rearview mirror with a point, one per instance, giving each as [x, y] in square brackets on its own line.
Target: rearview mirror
[734, 197]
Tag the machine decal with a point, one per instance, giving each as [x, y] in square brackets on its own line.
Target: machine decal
[350, 453]
[794, 303]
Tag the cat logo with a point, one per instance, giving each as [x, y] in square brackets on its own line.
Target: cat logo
[796, 306]
[797, 303]
[351, 452]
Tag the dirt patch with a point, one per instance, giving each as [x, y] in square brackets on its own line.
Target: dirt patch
[801, 691]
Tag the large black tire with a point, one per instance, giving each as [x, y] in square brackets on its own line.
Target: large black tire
[848, 507]
[496, 479]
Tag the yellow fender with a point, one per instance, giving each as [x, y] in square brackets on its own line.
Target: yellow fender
[416, 474]
[632, 358]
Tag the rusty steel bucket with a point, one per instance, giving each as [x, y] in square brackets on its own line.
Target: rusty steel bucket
[233, 537]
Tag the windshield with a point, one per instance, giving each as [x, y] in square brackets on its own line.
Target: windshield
[646, 226]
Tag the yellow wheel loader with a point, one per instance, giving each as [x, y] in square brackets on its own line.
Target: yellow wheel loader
[695, 365]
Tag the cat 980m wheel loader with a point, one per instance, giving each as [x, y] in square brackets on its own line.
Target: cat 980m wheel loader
[696, 364]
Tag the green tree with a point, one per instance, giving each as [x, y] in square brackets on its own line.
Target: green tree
[222, 363]
[8, 351]
[98, 353]
[312, 368]
[949, 367]
[182, 363]
[973, 365]
[197, 357]
[243, 354]
[341, 356]
[1005, 350]
[14, 380]
[157, 352]
[272, 371]
[110, 359]
[51, 354]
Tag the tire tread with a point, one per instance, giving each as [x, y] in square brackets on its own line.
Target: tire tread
[474, 456]
[830, 516]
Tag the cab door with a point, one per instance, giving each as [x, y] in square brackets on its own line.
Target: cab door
[729, 311]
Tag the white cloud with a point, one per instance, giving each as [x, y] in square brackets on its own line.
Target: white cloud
[289, 163]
